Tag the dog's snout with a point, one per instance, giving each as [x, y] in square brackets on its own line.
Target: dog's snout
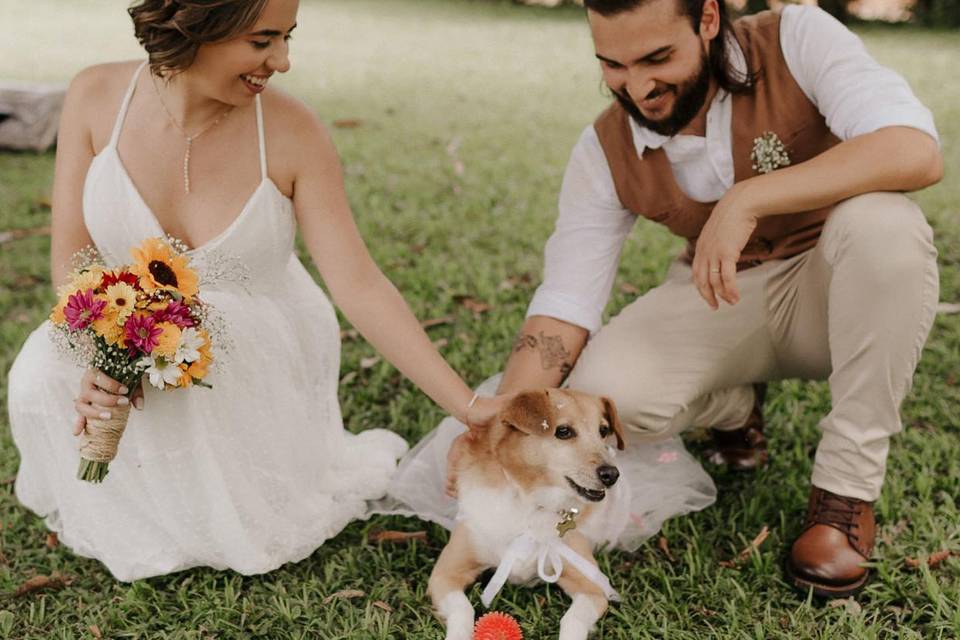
[608, 474]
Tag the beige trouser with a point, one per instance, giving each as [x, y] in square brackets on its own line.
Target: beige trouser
[855, 310]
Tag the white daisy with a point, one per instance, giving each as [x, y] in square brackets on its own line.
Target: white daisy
[189, 348]
[160, 372]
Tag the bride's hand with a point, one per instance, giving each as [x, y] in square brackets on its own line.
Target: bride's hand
[99, 395]
[485, 410]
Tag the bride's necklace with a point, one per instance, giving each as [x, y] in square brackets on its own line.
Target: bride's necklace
[189, 138]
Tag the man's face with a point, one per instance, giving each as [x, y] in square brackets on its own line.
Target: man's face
[655, 63]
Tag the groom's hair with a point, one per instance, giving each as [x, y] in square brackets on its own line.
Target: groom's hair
[172, 31]
[718, 59]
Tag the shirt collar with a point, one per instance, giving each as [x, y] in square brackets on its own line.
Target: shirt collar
[644, 138]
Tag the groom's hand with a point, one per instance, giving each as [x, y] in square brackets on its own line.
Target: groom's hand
[719, 247]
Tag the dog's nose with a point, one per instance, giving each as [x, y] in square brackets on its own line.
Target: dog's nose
[608, 474]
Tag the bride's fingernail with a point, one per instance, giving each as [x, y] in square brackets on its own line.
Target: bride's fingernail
[124, 391]
[138, 403]
[105, 415]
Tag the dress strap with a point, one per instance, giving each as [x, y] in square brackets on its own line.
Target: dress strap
[122, 114]
[263, 148]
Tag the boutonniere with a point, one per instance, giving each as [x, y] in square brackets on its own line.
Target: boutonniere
[768, 153]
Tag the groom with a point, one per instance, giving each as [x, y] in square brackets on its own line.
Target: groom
[779, 149]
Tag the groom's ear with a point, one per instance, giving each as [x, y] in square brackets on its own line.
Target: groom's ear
[530, 412]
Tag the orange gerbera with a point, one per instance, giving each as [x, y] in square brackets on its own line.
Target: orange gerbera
[107, 326]
[185, 379]
[199, 368]
[159, 267]
[167, 341]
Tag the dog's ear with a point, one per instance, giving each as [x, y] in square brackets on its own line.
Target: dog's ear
[529, 412]
[610, 411]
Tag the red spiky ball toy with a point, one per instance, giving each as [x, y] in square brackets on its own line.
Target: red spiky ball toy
[497, 626]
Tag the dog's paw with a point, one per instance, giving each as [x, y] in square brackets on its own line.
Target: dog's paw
[457, 613]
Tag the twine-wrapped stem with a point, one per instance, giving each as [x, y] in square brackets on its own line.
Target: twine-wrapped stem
[98, 444]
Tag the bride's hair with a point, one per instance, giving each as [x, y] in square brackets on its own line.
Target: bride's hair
[171, 31]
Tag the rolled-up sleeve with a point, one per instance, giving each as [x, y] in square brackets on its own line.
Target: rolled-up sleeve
[582, 254]
[855, 94]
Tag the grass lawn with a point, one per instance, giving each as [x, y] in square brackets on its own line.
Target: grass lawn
[467, 111]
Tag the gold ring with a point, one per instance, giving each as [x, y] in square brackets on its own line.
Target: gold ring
[714, 270]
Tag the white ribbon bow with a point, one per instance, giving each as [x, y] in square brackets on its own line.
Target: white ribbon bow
[553, 551]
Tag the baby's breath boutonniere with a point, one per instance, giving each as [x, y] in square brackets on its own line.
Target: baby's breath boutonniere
[768, 153]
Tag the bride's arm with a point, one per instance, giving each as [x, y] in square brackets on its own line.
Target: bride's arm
[367, 298]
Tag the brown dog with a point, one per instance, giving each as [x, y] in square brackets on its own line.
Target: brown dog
[527, 487]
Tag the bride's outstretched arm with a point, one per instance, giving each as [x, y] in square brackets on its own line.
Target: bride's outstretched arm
[364, 294]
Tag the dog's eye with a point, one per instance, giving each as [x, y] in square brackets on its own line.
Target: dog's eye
[605, 430]
[565, 432]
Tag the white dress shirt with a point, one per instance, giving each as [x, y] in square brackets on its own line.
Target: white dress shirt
[830, 64]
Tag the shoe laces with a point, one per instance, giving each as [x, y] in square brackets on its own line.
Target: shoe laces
[838, 512]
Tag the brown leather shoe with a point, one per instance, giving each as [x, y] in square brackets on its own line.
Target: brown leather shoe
[837, 539]
[743, 449]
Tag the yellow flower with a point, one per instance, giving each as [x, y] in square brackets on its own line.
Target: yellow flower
[121, 301]
[108, 327]
[185, 378]
[199, 368]
[89, 279]
[57, 316]
[158, 267]
[168, 340]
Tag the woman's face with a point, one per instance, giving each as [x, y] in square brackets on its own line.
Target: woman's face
[236, 70]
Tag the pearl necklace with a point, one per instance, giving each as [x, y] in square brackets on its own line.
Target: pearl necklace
[189, 138]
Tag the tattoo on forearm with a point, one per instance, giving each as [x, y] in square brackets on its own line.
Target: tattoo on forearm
[553, 355]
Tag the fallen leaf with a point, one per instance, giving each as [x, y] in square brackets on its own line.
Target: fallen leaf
[346, 594]
[347, 123]
[932, 561]
[397, 536]
[665, 547]
[17, 234]
[42, 583]
[458, 167]
[746, 553]
[852, 606]
[349, 334]
[948, 308]
[436, 322]
[95, 630]
[626, 287]
[472, 304]
[52, 540]
[44, 202]
[347, 379]
[418, 248]
[441, 343]
[9, 480]
[380, 604]
[366, 363]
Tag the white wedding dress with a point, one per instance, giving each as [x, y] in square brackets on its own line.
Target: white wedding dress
[252, 474]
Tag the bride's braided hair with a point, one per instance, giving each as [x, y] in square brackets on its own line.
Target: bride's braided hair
[171, 31]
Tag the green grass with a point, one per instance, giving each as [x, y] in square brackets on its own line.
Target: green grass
[506, 91]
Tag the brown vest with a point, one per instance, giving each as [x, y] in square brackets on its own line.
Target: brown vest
[647, 186]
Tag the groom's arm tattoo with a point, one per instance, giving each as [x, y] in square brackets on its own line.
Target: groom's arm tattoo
[553, 355]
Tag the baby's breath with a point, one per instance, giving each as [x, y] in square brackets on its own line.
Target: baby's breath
[769, 153]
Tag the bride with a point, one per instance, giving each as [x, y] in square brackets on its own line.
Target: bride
[196, 144]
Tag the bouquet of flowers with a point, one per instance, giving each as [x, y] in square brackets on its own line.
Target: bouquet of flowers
[140, 320]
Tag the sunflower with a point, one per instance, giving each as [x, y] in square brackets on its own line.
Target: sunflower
[158, 267]
[168, 341]
[121, 300]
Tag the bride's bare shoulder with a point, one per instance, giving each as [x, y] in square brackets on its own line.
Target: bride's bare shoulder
[297, 128]
[94, 97]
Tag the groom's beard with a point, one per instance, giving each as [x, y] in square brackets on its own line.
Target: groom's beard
[691, 94]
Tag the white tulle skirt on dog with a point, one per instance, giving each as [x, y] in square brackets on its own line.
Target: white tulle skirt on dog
[662, 481]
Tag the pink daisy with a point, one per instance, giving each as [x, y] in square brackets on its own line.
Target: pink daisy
[176, 313]
[82, 309]
[142, 333]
